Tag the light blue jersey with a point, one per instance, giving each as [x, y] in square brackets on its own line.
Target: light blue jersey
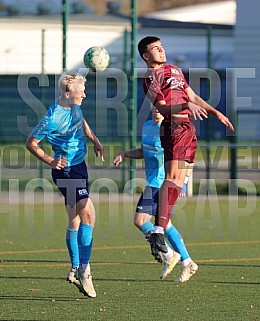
[153, 154]
[63, 129]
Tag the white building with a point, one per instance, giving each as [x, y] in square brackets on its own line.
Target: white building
[182, 30]
[247, 60]
[186, 43]
[219, 12]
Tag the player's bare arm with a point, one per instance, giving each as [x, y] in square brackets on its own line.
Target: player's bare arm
[98, 147]
[198, 101]
[134, 153]
[168, 110]
[32, 144]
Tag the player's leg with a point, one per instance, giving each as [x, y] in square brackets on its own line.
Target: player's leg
[175, 238]
[145, 207]
[175, 172]
[143, 222]
[179, 142]
[177, 242]
[59, 178]
[72, 243]
[145, 210]
[169, 192]
[171, 232]
[80, 205]
[179, 247]
[85, 210]
[189, 267]
[73, 184]
[183, 192]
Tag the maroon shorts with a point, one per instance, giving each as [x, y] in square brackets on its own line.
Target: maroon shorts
[179, 140]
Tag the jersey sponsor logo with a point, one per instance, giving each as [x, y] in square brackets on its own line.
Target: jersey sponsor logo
[75, 127]
[175, 83]
[82, 192]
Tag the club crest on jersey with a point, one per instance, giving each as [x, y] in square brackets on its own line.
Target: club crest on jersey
[175, 71]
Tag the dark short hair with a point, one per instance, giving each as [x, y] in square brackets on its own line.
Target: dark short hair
[143, 43]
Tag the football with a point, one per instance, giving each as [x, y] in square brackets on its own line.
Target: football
[96, 59]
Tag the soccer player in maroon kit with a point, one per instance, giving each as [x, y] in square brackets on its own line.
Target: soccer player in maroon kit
[169, 92]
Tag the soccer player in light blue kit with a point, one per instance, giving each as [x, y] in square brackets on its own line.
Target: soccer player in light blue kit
[65, 128]
[152, 152]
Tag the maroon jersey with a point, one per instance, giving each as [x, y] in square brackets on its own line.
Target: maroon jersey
[166, 83]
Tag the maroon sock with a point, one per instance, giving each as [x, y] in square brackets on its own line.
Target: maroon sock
[168, 195]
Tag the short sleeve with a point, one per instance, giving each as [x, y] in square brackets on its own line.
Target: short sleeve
[152, 88]
[41, 130]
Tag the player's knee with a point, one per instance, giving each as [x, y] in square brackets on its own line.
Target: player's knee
[138, 221]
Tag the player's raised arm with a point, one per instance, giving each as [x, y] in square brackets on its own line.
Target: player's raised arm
[197, 105]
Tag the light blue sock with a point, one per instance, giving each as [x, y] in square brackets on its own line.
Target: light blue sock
[185, 186]
[177, 242]
[72, 245]
[146, 227]
[85, 237]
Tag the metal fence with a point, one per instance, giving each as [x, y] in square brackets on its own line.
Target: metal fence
[25, 97]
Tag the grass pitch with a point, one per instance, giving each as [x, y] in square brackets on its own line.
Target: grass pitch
[221, 234]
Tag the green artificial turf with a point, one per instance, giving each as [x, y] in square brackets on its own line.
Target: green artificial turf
[222, 236]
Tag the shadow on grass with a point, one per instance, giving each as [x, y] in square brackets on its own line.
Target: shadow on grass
[31, 277]
[31, 261]
[230, 265]
[64, 279]
[246, 265]
[47, 299]
[235, 282]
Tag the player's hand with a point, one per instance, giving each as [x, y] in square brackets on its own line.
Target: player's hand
[197, 112]
[59, 163]
[98, 148]
[224, 120]
[118, 159]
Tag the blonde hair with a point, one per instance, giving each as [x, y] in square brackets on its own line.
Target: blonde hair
[70, 79]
